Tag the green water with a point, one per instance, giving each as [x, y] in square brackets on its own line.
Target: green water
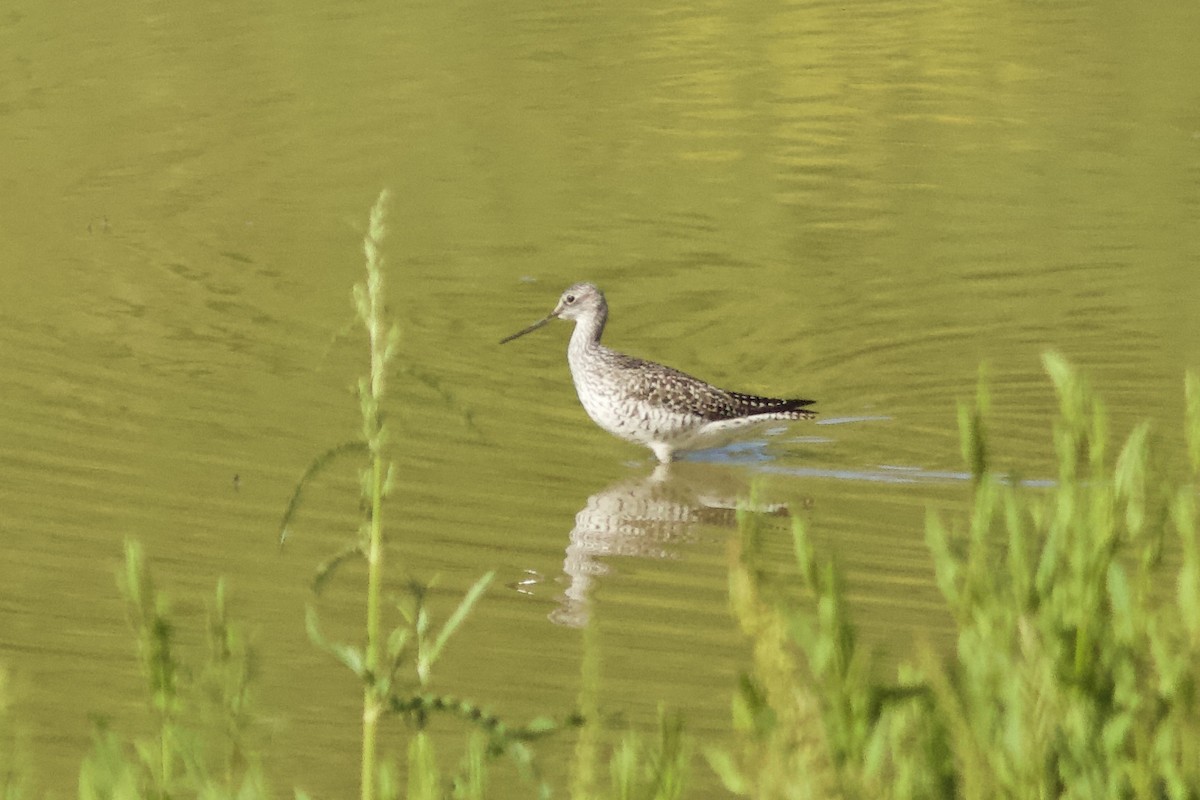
[857, 204]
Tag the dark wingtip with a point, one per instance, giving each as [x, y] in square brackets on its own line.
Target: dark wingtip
[805, 413]
[756, 405]
[797, 407]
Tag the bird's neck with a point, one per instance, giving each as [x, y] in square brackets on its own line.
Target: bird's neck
[587, 331]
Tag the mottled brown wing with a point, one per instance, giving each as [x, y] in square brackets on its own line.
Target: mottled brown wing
[681, 393]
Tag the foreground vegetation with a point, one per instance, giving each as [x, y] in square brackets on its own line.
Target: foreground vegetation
[205, 740]
[1076, 671]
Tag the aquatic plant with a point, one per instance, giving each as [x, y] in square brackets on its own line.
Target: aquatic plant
[204, 740]
[396, 669]
[1075, 672]
[640, 767]
[14, 766]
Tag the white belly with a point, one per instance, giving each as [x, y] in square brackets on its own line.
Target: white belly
[624, 415]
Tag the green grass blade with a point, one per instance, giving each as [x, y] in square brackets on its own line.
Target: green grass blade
[350, 656]
[330, 565]
[318, 465]
[456, 619]
[1192, 419]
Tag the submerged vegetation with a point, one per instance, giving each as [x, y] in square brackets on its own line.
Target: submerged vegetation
[1075, 671]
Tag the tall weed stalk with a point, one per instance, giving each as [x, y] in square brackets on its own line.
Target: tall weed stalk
[396, 667]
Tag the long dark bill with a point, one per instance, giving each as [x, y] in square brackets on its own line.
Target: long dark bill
[530, 329]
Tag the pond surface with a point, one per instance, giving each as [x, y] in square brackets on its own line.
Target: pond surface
[859, 204]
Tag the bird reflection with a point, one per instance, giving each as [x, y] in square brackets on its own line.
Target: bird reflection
[648, 517]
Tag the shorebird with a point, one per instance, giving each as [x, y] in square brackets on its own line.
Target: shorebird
[648, 403]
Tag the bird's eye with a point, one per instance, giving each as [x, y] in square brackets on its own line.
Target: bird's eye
[570, 299]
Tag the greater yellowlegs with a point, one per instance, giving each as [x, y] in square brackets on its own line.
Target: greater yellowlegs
[648, 403]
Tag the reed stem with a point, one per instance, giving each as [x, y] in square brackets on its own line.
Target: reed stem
[370, 303]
